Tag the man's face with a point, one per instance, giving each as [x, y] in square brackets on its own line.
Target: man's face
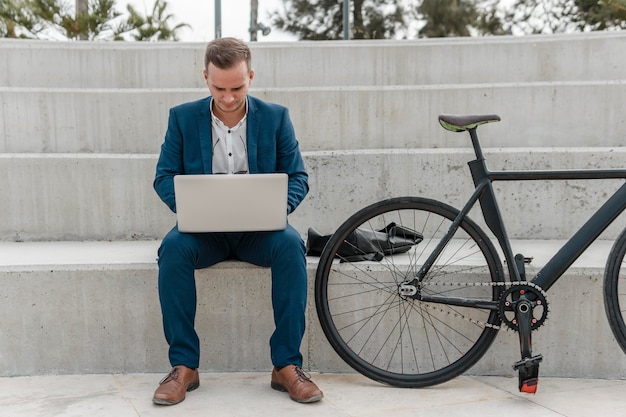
[228, 87]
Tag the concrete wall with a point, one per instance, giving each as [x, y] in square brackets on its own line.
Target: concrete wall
[560, 91]
[110, 197]
[555, 114]
[489, 60]
[79, 119]
[80, 129]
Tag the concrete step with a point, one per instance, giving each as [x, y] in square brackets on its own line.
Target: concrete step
[497, 59]
[134, 121]
[110, 196]
[92, 307]
[402, 117]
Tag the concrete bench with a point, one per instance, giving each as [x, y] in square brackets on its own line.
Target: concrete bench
[92, 307]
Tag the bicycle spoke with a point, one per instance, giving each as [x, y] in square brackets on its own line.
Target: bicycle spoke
[400, 339]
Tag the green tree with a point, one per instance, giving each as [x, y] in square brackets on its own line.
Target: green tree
[384, 19]
[447, 17]
[458, 18]
[59, 19]
[323, 19]
[387, 19]
[560, 16]
[58, 16]
[602, 15]
[153, 27]
[16, 20]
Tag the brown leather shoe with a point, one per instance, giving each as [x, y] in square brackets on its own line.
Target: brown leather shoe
[173, 387]
[293, 380]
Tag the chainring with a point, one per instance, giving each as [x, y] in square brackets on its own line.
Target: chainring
[530, 292]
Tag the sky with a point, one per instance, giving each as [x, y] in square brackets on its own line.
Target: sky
[201, 16]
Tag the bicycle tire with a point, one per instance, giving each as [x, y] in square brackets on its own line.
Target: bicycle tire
[400, 341]
[614, 290]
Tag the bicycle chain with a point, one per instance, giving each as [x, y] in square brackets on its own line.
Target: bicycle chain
[481, 284]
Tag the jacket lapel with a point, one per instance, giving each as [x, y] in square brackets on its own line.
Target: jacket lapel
[252, 134]
[206, 139]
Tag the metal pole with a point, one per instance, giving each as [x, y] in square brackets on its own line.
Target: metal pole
[218, 19]
[82, 10]
[346, 20]
[254, 13]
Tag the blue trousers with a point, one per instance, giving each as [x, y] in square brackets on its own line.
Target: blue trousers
[180, 254]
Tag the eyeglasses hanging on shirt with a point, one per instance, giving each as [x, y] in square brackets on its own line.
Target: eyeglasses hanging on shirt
[230, 151]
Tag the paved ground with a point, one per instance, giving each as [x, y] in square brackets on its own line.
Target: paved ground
[249, 394]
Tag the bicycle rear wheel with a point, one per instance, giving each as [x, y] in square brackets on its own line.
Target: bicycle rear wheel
[399, 340]
[615, 289]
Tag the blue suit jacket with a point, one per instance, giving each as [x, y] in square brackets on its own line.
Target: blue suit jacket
[272, 147]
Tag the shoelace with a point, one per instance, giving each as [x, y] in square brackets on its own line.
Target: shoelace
[173, 375]
[302, 376]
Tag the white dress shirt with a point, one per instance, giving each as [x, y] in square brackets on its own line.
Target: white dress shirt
[230, 149]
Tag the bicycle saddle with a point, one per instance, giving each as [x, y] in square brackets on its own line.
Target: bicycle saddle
[463, 123]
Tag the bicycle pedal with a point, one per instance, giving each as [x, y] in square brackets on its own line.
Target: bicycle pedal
[528, 373]
[527, 259]
[530, 364]
[529, 386]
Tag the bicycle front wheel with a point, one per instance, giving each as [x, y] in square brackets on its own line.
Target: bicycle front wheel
[403, 340]
[615, 289]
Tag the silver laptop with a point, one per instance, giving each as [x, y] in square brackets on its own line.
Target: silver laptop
[231, 203]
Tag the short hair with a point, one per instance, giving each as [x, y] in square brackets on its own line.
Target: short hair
[225, 53]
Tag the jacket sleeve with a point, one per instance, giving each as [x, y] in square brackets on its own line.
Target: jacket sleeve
[289, 160]
[170, 162]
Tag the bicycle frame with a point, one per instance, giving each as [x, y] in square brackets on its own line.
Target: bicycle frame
[571, 250]
[575, 246]
[550, 273]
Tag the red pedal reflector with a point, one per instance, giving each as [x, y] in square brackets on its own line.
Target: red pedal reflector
[529, 386]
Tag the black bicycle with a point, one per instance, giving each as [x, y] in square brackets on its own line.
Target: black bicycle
[424, 315]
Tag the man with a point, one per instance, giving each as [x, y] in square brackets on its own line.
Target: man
[230, 132]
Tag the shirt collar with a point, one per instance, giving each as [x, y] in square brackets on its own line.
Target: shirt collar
[220, 123]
